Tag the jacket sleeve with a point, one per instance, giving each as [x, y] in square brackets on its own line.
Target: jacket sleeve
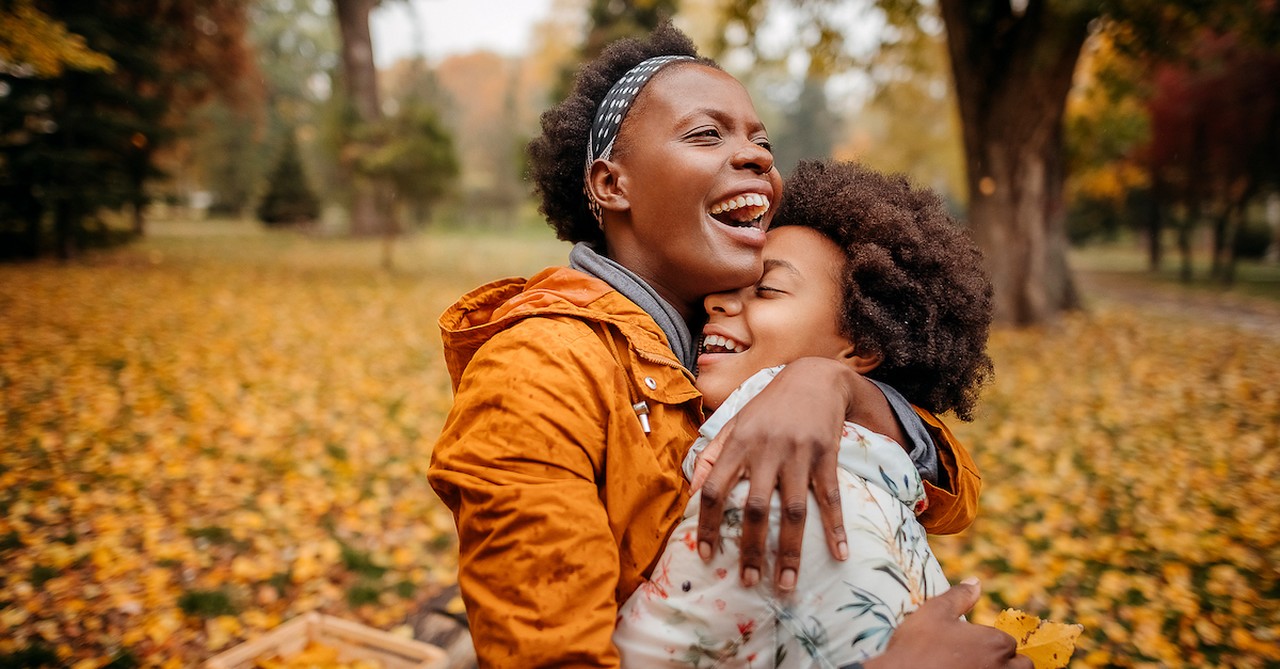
[517, 463]
[953, 503]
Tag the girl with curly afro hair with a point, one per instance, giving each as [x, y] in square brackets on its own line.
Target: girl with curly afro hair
[862, 268]
[912, 290]
[573, 392]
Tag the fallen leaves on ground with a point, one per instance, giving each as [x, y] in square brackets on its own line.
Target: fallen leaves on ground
[1129, 467]
[196, 452]
[197, 448]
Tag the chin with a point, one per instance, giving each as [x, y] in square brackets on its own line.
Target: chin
[714, 392]
[735, 275]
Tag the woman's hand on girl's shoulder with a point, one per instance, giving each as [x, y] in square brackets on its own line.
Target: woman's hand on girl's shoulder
[787, 438]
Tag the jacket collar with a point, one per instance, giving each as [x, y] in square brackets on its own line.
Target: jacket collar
[556, 291]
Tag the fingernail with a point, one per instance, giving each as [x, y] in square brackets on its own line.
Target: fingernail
[842, 550]
[750, 576]
[704, 550]
[972, 580]
[787, 581]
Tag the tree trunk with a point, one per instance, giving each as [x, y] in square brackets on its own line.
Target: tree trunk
[1184, 238]
[139, 217]
[65, 220]
[1012, 73]
[1218, 251]
[368, 209]
[1235, 218]
[1155, 228]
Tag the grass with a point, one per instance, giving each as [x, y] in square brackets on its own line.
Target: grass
[1127, 258]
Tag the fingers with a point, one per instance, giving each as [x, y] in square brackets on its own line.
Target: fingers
[955, 602]
[826, 489]
[715, 486]
[701, 469]
[755, 523]
[707, 459]
[794, 498]
[1020, 662]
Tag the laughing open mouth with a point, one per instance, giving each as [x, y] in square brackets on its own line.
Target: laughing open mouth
[717, 344]
[743, 211]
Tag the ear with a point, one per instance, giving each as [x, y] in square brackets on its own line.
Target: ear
[606, 184]
[862, 361]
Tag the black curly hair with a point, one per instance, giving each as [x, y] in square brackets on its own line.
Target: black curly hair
[558, 156]
[913, 286]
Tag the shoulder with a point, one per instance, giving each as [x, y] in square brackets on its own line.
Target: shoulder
[545, 351]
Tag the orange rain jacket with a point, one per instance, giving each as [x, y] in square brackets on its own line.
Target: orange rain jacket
[561, 499]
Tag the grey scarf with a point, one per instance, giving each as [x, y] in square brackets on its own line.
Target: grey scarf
[585, 259]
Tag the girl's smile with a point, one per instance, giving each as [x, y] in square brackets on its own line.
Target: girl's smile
[793, 311]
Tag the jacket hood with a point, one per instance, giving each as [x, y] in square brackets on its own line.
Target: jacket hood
[556, 291]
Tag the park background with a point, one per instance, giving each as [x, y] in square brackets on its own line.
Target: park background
[228, 228]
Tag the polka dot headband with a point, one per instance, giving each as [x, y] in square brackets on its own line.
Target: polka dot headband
[609, 115]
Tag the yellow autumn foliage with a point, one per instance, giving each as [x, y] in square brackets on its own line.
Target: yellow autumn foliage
[35, 44]
[204, 438]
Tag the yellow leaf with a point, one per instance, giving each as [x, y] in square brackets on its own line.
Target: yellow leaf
[1048, 644]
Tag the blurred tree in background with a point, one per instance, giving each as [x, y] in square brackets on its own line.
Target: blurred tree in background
[36, 44]
[1215, 143]
[1178, 135]
[609, 20]
[78, 141]
[361, 106]
[289, 199]
[295, 47]
[1012, 65]
[412, 152]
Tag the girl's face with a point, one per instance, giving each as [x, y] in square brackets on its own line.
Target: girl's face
[697, 186]
[791, 312]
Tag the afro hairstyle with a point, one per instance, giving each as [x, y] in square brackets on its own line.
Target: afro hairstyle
[913, 286]
[558, 156]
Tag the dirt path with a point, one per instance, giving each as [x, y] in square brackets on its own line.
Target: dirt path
[1251, 314]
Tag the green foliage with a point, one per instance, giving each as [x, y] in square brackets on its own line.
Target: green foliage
[363, 593]
[85, 140]
[809, 129]
[361, 562]
[206, 603]
[289, 199]
[413, 152]
[610, 20]
[30, 657]
[235, 146]
[33, 42]
[1252, 239]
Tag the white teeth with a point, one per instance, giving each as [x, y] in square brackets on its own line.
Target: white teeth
[750, 199]
[722, 342]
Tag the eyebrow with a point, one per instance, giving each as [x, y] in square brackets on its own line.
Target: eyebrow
[777, 263]
[720, 116]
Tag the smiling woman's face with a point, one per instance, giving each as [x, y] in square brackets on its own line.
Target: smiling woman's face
[792, 312]
[696, 174]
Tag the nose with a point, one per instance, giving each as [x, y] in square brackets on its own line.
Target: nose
[727, 303]
[753, 157]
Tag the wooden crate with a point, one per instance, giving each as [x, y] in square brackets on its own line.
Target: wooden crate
[353, 641]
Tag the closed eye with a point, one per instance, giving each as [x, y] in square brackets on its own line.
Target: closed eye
[708, 133]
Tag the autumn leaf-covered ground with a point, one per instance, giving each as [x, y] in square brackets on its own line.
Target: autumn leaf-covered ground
[220, 428]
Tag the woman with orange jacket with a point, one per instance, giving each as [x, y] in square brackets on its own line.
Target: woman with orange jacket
[574, 399]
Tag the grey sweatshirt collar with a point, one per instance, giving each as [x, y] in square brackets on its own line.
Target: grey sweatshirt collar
[585, 259]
